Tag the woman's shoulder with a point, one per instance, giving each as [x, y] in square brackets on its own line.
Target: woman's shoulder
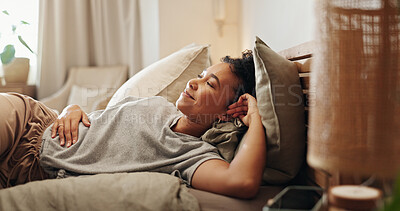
[153, 101]
[131, 99]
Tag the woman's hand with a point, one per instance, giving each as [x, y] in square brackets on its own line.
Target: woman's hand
[245, 108]
[67, 124]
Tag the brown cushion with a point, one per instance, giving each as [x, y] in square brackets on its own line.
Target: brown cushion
[280, 102]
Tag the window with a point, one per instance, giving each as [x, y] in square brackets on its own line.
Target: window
[20, 10]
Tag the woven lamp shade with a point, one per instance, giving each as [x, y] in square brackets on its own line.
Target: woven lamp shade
[354, 124]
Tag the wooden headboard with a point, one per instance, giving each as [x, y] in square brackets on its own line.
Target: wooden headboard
[301, 55]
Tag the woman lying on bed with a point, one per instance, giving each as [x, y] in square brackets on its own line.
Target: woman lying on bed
[140, 134]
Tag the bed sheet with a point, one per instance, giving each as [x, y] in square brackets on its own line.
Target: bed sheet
[215, 202]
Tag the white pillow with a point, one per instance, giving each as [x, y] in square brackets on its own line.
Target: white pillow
[86, 97]
[166, 77]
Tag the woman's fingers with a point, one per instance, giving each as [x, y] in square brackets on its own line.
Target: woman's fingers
[67, 125]
[245, 107]
[54, 129]
[238, 104]
[67, 132]
[237, 110]
[74, 130]
[85, 119]
[61, 134]
[242, 107]
[234, 112]
[238, 114]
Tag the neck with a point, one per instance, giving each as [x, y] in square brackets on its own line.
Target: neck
[187, 126]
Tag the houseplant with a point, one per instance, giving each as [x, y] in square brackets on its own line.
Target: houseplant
[15, 69]
[393, 202]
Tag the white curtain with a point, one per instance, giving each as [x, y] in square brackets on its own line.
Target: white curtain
[86, 33]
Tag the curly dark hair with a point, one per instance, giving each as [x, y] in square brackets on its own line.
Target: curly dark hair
[243, 68]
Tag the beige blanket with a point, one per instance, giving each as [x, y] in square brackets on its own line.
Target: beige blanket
[121, 191]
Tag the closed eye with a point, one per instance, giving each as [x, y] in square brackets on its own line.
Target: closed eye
[208, 83]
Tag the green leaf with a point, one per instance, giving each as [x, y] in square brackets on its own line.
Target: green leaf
[393, 202]
[24, 22]
[396, 196]
[8, 54]
[24, 43]
[5, 12]
[14, 27]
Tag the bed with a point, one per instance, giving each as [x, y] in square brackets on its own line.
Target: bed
[155, 191]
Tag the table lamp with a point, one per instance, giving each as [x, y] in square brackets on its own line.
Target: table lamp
[354, 125]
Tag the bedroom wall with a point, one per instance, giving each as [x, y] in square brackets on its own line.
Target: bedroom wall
[150, 33]
[281, 24]
[183, 22]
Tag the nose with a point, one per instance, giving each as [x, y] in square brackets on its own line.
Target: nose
[193, 84]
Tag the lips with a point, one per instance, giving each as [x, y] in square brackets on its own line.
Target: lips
[185, 92]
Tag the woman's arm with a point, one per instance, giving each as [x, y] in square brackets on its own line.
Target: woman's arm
[67, 124]
[242, 177]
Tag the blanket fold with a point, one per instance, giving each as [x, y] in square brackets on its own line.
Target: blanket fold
[120, 191]
[225, 136]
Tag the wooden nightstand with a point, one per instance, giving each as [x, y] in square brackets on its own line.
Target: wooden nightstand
[25, 89]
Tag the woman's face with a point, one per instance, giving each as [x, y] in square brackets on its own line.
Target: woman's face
[207, 97]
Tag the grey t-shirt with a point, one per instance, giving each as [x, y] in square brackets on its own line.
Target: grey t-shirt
[134, 135]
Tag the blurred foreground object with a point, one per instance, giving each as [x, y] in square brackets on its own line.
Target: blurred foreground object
[355, 118]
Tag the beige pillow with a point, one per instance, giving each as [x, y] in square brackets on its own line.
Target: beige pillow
[166, 77]
[280, 102]
[87, 97]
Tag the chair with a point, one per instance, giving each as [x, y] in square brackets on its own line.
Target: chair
[89, 87]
